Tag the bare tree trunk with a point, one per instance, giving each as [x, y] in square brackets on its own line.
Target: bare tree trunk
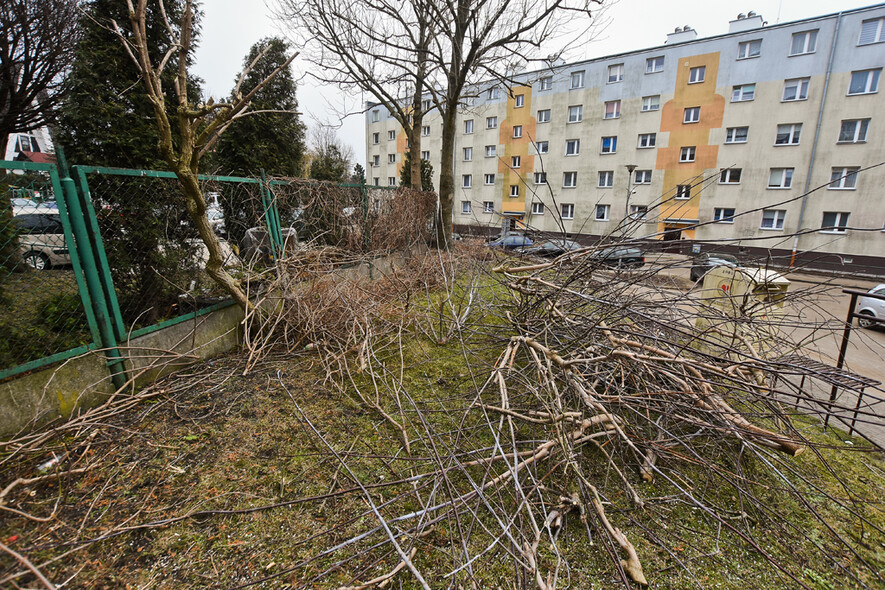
[446, 180]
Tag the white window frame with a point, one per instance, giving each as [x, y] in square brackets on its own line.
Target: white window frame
[376, 160]
[425, 130]
[687, 153]
[746, 49]
[488, 206]
[376, 116]
[519, 101]
[785, 181]
[743, 93]
[391, 135]
[468, 154]
[793, 133]
[572, 147]
[642, 177]
[606, 179]
[494, 93]
[647, 140]
[514, 191]
[567, 210]
[872, 31]
[425, 104]
[605, 209]
[491, 122]
[719, 215]
[545, 83]
[391, 181]
[468, 127]
[648, 106]
[654, 65]
[839, 225]
[377, 181]
[517, 131]
[731, 134]
[730, 176]
[540, 178]
[809, 42]
[576, 113]
[576, 80]
[613, 145]
[491, 151]
[542, 147]
[376, 138]
[467, 181]
[569, 179]
[683, 192]
[544, 116]
[801, 85]
[859, 132]
[691, 115]
[843, 178]
[515, 162]
[489, 179]
[697, 74]
[425, 155]
[638, 212]
[537, 208]
[615, 73]
[391, 158]
[466, 208]
[777, 218]
[612, 109]
[870, 84]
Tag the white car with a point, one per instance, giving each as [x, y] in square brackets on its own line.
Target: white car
[872, 309]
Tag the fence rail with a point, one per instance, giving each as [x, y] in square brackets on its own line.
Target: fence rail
[91, 259]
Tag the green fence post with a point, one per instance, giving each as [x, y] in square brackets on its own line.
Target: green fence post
[83, 245]
[271, 217]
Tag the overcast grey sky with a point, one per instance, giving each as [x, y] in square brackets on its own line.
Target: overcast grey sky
[230, 27]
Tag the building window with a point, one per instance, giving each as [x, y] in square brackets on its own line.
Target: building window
[773, 218]
[425, 130]
[377, 181]
[519, 101]
[736, 134]
[376, 160]
[601, 213]
[687, 154]
[835, 222]
[638, 212]
[697, 75]
[488, 207]
[749, 49]
[491, 122]
[491, 151]
[489, 179]
[375, 116]
[537, 208]
[864, 82]
[647, 140]
[609, 145]
[391, 135]
[683, 191]
[872, 31]
[788, 134]
[465, 207]
[515, 161]
[612, 109]
[575, 113]
[466, 181]
[514, 190]
[843, 178]
[691, 115]
[425, 155]
[567, 210]
[654, 65]
[546, 83]
[391, 158]
[27, 143]
[651, 103]
[542, 147]
[468, 154]
[391, 181]
[854, 131]
[723, 215]
[804, 42]
[569, 179]
[572, 147]
[544, 116]
[730, 176]
[577, 79]
[517, 131]
[494, 93]
[642, 177]
[615, 73]
[780, 178]
[376, 138]
[468, 126]
[743, 92]
[425, 105]
[606, 179]
[540, 178]
[795, 89]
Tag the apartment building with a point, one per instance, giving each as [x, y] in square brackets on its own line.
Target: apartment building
[721, 139]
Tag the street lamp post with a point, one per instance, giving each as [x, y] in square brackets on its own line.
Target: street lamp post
[630, 169]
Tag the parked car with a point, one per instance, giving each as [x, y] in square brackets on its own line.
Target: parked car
[872, 309]
[621, 257]
[706, 262]
[41, 240]
[551, 248]
[510, 241]
[21, 206]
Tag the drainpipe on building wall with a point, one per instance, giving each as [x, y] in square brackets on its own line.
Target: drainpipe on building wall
[820, 116]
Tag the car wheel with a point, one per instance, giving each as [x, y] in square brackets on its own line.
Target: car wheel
[36, 260]
[866, 322]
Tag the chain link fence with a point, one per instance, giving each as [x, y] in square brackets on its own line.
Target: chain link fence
[39, 293]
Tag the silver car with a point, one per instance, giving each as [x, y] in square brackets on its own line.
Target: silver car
[871, 309]
[41, 240]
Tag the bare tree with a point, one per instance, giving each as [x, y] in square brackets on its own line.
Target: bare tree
[36, 49]
[380, 47]
[198, 125]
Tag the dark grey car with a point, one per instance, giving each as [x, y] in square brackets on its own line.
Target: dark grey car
[707, 262]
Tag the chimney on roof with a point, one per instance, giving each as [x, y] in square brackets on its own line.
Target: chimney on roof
[746, 22]
[681, 35]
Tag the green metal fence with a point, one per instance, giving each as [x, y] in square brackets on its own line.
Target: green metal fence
[94, 258]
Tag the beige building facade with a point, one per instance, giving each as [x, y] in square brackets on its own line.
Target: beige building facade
[767, 137]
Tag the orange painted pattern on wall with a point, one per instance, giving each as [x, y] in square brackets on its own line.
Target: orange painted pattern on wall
[516, 146]
[712, 108]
